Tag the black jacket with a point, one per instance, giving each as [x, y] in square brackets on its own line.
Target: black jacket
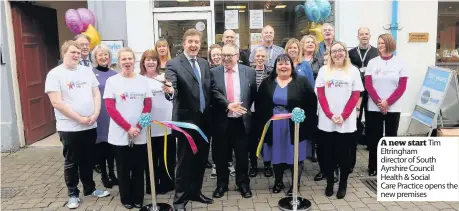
[300, 94]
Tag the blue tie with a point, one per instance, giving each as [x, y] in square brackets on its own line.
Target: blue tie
[202, 101]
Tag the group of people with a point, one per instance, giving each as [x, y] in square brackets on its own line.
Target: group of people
[230, 96]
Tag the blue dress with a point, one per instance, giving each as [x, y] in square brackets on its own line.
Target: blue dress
[281, 150]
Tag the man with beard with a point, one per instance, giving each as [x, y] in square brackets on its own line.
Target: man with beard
[191, 94]
[234, 88]
[229, 37]
[272, 51]
[360, 56]
[328, 32]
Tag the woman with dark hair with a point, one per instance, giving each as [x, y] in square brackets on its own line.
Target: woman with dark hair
[280, 93]
[161, 110]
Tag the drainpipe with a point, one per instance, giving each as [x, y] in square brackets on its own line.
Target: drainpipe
[394, 24]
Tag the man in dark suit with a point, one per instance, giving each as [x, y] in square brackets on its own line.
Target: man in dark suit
[234, 88]
[191, 93]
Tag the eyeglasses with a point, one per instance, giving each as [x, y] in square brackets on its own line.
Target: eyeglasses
[228, 55]
[84, 45]
[337, 51]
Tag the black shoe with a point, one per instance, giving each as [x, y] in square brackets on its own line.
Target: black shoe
[329, 190]
[97, 168]
[208, 165]
[136, 205]
[106, 182]
[372, 173]
[219, 192]
[351, 170]
[113, 180]
[290, 191]
[203, 199]
[278, 187]
[341, 191]
[336, 176]
[268, 171]
[314, 159]
[245, 192]
[319, 176]
[253, 171]
[128, 206]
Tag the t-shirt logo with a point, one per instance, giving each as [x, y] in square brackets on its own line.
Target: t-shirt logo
[330, 83]
[75, 84]
[131, 96]
[378, 71]
[337, 83]
[124, 96]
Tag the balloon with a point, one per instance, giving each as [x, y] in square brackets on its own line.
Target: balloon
[73, 21]
[324, 8]
[87, 17]
[299, 8]
[312, 11]
[316, 30]
[94, 36]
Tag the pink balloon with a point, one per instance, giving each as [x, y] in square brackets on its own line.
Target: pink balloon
[73, 21]
[87, 17]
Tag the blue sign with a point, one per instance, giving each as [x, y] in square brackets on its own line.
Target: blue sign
[432, 92]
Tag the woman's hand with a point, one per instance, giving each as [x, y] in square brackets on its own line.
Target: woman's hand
[133, 132]
[338, 120]
[383, 106]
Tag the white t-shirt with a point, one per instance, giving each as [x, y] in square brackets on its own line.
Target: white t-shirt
[338, 90]
[161, 107]
[75, 87]
[129, 95]
[385, 76]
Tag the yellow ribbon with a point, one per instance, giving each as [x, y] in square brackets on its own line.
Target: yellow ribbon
[165, 147]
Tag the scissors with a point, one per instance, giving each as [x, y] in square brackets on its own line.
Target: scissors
[163, 82]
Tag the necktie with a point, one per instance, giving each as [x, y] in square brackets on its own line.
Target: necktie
[84, 62]
[202, 101]
[229, 86]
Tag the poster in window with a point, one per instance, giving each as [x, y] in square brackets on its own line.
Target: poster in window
[114, 46]
[256, 19]
[231, 19]
[255, 40]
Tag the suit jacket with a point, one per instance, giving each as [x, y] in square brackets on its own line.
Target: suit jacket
[248, 86]
[186, 97]
[300, 94]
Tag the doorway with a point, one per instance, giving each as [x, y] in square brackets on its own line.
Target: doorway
[171, 26]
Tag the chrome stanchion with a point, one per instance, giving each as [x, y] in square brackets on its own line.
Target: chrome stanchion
[154, 206]
[294, 202]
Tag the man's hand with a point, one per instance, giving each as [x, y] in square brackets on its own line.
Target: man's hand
[84, 120]
[167, 88]
[237, 108]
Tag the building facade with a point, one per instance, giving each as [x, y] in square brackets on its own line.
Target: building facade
[140, 23]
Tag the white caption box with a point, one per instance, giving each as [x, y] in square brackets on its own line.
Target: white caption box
[418, 169]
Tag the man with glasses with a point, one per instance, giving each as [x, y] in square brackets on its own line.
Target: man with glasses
[328, 32]
[233, 89]
[229, 37]
[83, 43]
[272, 51]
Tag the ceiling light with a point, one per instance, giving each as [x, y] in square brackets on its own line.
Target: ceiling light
[183, 0]
[241, 10]
[235, 7]
[267, 10]
[281, 6]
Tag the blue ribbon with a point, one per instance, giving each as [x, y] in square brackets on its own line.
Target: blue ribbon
[298, 115]
[188, 126]
[145, 120]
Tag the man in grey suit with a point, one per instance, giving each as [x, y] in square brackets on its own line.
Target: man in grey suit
[191, 93]
[234, 88]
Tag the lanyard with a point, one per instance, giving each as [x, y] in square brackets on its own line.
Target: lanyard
[364, 56]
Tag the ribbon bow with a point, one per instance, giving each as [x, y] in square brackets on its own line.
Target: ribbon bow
[298, 115]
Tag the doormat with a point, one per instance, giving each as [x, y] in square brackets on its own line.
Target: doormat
[370, 183]
[8, 193]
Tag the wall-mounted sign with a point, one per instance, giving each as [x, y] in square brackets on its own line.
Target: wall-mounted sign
[418, 37]
[200, 26]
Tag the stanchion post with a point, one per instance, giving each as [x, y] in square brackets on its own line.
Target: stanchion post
[295, 167]
[152, 172]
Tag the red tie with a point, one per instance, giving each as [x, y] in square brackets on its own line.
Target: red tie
[229, 86]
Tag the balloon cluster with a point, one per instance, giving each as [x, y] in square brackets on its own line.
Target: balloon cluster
[82, 21]
[315, 10]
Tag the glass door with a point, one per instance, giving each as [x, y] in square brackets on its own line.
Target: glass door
[172, 25]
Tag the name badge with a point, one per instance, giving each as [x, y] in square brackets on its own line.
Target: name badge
[363, 69]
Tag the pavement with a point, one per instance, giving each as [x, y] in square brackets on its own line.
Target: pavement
[32, 179]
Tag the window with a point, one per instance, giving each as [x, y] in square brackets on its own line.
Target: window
[281, 15]
[448, 35]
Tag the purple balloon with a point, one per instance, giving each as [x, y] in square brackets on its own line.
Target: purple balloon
[87, 17]
[73, 21]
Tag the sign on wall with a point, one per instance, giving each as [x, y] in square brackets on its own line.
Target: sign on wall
[256, 19]
[114, 46]
[231, 19]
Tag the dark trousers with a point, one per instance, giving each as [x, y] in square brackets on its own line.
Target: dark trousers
[106, 158]
[280, 168]
[130, 166]
[319, 153]
[78, 151]
[162, 180]
[378, 125]
[236, 138]
[190, 168]
[336, 152]
[254, 138]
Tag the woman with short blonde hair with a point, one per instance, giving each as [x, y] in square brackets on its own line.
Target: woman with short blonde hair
[338, 90]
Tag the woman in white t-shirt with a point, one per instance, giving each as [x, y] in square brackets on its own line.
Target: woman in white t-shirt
[385, 81]
[161, 111]
[127, 96]
[338, 89]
